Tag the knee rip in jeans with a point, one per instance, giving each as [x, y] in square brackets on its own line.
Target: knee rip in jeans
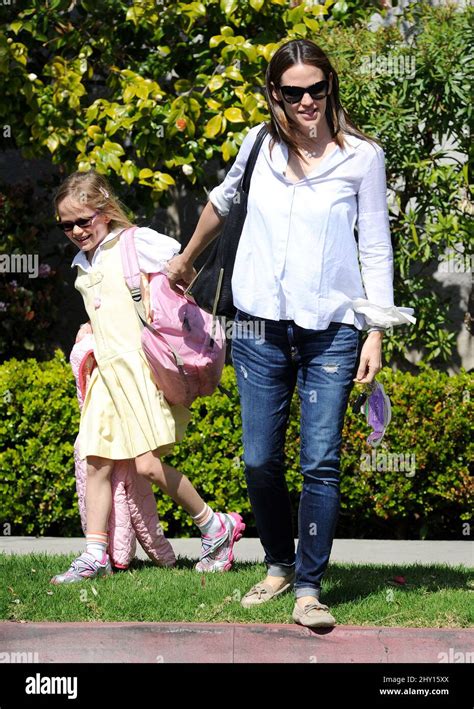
[330, 368]
[327, 482]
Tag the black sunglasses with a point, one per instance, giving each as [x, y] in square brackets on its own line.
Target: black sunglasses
[81, 223]
[294, 94]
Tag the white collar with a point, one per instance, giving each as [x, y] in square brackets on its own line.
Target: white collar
[81, 259]
[338, 155]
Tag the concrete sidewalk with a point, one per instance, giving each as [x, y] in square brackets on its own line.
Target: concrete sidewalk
[345, 551]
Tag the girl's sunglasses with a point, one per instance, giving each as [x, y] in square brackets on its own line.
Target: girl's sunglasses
[294, 94]
[81, 223]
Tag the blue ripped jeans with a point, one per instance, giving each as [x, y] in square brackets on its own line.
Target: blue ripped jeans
[271, 358]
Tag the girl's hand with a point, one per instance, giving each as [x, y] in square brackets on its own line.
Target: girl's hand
[370, 358]
[180, 270]
[84, 330]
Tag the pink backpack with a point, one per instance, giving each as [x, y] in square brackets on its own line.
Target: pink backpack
[184, 345]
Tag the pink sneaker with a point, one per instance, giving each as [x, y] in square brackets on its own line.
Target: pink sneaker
[84, 567]
[216, 551]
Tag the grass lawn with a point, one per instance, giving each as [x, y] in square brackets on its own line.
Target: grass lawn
[432, 596]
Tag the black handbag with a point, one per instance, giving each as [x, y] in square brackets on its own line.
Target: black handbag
[211, 288]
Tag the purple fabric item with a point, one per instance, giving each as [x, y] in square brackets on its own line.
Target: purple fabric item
[378, 412]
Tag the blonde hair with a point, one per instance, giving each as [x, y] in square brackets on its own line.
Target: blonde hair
[92, 189]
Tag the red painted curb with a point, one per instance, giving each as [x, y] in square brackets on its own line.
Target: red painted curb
[231, 643]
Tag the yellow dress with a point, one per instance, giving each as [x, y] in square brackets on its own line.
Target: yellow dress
[124, 413]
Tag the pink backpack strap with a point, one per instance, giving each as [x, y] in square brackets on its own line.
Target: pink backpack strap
[128, 252]
[131, 270]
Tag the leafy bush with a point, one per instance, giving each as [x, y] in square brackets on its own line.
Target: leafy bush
[431, 421]
[158, 94]
[29, 297]
[39, 419]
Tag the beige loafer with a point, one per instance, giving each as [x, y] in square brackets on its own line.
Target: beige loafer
[314, 615]
[264, 592]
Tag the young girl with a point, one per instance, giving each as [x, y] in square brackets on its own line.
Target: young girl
[124, 415]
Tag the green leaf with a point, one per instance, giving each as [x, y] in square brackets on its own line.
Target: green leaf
[216, 82]
[52, 142]
[129, 93]
[142, 90]
[229, 149]
[233, 73]
[145, 173]
[311, 23]
[114, 162]
[228, 6]
[114, 148]
[182, 85]
[296, 14]
[93, 130]
[213, 105]
[234, 115]
[213, 127]
[301, 29]
[167, 179]
[16, 26]
[340, 7]
[269, 50]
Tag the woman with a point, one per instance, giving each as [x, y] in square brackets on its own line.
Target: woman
[297, 276]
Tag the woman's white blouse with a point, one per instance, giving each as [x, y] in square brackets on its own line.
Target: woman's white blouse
[298, 257]
[153, 249]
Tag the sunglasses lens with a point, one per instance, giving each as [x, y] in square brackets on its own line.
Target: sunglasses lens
[294, 94]
[81, 223]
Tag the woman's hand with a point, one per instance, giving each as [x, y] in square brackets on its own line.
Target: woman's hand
[85, 329]
[180, 271]
[370, 362]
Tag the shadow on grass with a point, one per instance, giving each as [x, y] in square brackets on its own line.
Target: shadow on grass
[185, 563]
[345, 583]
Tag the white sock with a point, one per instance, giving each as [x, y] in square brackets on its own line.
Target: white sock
[96, 544]
[208, 522]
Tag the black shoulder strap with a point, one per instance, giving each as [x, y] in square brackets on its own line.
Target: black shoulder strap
[252, 159]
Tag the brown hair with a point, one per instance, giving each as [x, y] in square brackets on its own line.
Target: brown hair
[281, 126]
[94, 190]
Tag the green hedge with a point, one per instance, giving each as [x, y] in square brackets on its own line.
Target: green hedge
[39, 419]
[432, 415]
